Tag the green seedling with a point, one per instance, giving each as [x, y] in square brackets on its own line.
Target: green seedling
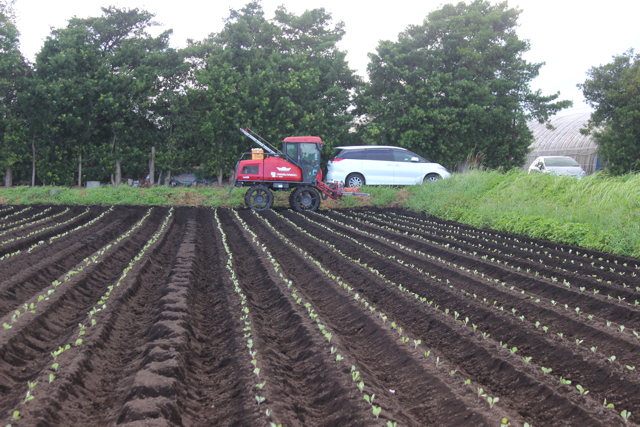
[578, 342]
[492, 401]
[427, 353]
[527, 359]
[16, 415]
[625, 415]
[416, 343]
[268, 412]
[546, 370]
[369, 399]
[565, 382]
[275, 425]
[611, 359]
[51, 378]
[261, 385]
[376, 411]
[480, 392]
[631, 368]
[260, 399]
[257, 372]
[545, 329]
[452, 373]
[339, 358]
[360, 386]
[392, 424]
[6, 325]
[593, 349]
[607, 405]
[355, 375]
[78, 342]
[582, 391]
[333, 350]
[467, 382]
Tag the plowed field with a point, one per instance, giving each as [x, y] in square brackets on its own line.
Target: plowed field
[195, 317]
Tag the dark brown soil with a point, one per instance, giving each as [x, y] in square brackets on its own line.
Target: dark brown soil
[170, 343]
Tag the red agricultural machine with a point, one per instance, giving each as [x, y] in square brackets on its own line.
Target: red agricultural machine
[296, 168]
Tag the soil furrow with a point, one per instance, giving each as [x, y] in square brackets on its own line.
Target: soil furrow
[532, 245]
[420, 398]
[29, 279]
[525, 392]
[304, 387]
[95, 379]
[25, 243]
[554, 269]
[624, 346]
[23, 350]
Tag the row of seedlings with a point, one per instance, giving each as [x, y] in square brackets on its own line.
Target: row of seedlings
[311, 312]
[601, 285]
[55, 369]
[392, 325]
[57, 236]
[461, 322]
[578, 311]
[625, 414]
[93, 259]
[245, 319]
[17, 222]
[598, 264]
[33, 233]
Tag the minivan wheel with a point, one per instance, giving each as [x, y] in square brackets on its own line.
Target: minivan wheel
[432, 177]
[354, 180]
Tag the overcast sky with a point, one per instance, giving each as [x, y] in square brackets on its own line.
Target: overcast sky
[569, 35]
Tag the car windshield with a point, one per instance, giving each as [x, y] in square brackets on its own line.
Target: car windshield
[561, 162]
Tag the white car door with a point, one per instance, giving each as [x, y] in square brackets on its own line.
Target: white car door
[378, 166]
[406, 172]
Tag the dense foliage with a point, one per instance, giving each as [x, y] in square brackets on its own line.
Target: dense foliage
[613, 90]
[456, 84]
[104, 91]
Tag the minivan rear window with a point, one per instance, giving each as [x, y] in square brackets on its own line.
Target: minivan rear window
[348, 154]
[379, 154]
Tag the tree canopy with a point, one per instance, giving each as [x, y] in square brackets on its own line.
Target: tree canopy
[456, 84]
[613, 90]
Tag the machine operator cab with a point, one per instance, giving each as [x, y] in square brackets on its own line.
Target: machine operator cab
[304, 151]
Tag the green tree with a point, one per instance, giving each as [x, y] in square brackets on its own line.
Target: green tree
[613, 90]
[101, 78]
[281, 77]
[456, 83]
[14, 147]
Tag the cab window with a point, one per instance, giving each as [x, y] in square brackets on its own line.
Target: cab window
[292, 151]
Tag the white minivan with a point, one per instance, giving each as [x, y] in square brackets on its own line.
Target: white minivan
[359, 165]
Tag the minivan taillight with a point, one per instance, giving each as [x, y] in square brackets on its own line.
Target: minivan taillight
[335, 160]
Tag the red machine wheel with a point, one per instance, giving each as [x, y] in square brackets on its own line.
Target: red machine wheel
[259, 198]
[305, 199]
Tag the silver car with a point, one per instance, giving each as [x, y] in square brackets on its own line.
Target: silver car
[557, 165]
[359, 165]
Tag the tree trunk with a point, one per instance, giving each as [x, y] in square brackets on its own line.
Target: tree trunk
[167, 180]
[33, 166]
[8, 177]
[160, 178]
[118, 174]
[152, 166]
[220, 176]
[80, 170]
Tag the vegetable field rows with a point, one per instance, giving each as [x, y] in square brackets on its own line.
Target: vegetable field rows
[171, 317]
